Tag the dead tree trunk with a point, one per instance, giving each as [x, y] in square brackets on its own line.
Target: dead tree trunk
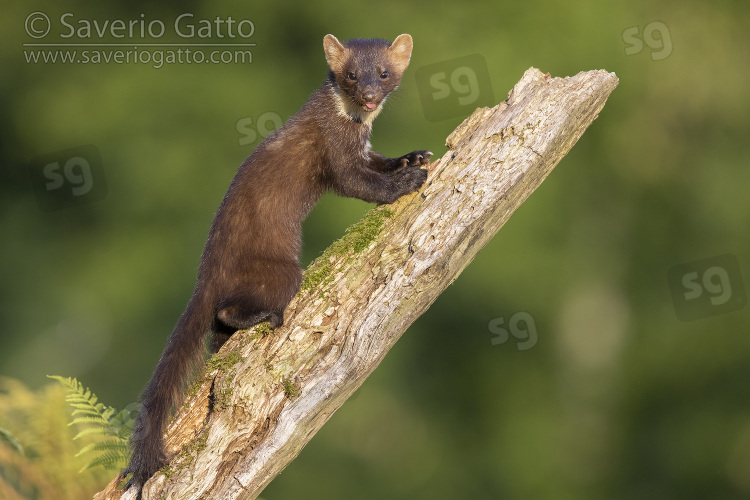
[266, 394]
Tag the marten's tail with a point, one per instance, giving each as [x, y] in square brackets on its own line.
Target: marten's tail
[184, 349]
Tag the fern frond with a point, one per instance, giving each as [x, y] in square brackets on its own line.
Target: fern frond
[85, 449]
[100, 420]
[110, 461]
[85, 408]
[82, 394]
[68, 382]
[113, 445]
[83, 400]
[90, 420]
[110, 445]
[94, 431]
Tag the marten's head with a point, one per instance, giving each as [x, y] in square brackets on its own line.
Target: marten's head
[365, 71]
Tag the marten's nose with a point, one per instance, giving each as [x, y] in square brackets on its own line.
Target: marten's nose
[368, 96]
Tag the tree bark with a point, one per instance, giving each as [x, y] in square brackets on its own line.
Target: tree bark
[264, 395]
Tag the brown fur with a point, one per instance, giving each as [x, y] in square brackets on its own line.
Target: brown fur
[250, 269]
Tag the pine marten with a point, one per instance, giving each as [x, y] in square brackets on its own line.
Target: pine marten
[250, 268]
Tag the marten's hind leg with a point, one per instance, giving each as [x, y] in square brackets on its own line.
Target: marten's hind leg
[262, 291]
[241, 315]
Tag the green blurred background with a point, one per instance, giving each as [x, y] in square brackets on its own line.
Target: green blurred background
[612, 396]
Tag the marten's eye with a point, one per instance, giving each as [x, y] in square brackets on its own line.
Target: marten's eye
[351, 76]
[384, 75]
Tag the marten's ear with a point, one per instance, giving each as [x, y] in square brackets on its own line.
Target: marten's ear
[400, 51]
[335, 53]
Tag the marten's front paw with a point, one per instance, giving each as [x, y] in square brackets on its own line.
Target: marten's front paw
[413, 178]
[416, 158]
